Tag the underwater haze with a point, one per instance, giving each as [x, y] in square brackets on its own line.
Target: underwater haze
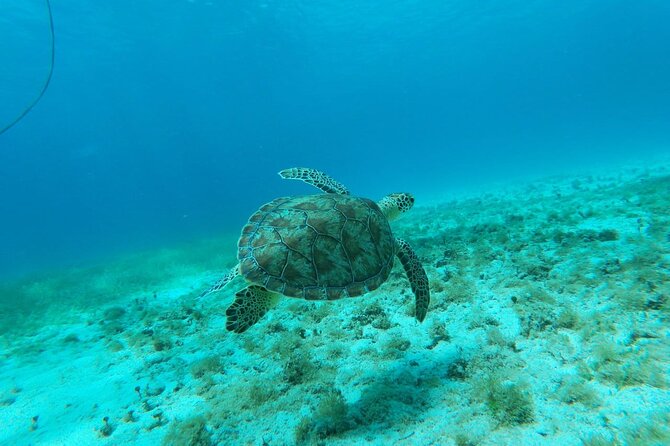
[522, 297]
[166, 121]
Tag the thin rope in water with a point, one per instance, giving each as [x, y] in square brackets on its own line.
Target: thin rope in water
[48, 79]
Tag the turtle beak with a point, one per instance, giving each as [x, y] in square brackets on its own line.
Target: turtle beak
[405, 201]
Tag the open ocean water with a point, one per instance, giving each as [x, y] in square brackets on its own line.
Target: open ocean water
[534, 137]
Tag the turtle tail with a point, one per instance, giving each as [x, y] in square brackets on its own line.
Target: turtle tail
[222, 282]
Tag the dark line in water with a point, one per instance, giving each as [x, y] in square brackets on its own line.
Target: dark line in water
[48, 79]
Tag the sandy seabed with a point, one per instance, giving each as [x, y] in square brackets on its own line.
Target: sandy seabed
[549, 325]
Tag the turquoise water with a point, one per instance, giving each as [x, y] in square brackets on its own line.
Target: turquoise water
[168, 121]
[534, 136]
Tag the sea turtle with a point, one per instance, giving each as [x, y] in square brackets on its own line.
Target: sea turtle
[319, 247]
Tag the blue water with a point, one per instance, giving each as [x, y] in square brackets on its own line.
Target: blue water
[168, 120]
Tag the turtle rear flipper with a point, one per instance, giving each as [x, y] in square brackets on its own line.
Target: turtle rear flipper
[251, 304]
[222, 282]
[417, 277]
[315, 178]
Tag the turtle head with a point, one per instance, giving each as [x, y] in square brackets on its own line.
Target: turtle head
[395, 204]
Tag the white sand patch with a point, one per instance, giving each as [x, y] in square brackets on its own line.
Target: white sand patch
[548, 326]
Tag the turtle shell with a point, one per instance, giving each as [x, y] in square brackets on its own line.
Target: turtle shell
[317, 247]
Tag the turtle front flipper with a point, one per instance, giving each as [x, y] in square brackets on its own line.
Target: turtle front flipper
[251, 304]
[417, 277]
[315, 178]
[222, 281]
